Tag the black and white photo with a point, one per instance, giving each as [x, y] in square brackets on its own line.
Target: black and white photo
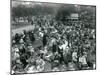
[52, 37]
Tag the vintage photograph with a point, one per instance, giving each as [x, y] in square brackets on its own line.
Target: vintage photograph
[52, 37]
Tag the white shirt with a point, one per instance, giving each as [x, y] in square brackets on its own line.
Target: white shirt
[64, 46]
[66, 43]
[41, 34]
[65, 51]
[83, 60]
[21, 41]
[74, 56]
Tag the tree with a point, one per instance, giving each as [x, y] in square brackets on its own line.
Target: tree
[65, 10]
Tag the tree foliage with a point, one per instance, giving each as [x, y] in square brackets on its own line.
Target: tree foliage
[22, 10]
[65, 10]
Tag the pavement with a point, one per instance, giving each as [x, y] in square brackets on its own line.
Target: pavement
[19, 30]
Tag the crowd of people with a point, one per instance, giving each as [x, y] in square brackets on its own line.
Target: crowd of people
[54, 46]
